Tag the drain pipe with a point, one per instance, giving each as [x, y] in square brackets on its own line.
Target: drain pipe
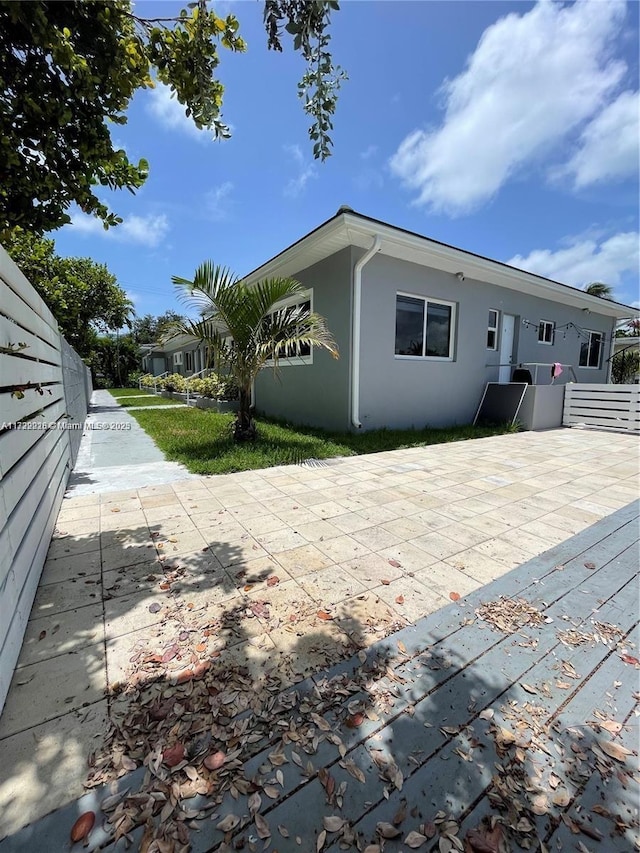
[355, 335]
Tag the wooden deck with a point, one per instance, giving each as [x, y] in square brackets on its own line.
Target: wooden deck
[452, 723]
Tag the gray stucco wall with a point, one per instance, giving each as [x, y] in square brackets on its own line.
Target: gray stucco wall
[318, 393]
[403, 393]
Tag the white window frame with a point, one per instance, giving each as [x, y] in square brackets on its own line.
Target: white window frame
[177, 359]
[544, 325]
[452, 327]
[598, 366]
[493, 329]
[187, 356]
[295, 361]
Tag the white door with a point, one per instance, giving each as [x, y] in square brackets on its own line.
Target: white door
[506, 347]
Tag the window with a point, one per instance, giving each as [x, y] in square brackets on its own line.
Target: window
[424, 327]
[546, 332]
[591, 350]
[188, 361]
[177, 358]
[298, 353]
[492, 329]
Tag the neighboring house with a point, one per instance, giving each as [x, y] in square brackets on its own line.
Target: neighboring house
[422, 326]
[180, 355]
[625, 346]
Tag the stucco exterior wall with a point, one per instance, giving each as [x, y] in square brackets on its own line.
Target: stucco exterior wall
[316, 394]
[401, 393]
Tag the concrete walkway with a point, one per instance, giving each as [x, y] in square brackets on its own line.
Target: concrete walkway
[117, 453]
[276, 573]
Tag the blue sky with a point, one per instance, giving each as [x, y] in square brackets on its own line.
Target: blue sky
[508, 129]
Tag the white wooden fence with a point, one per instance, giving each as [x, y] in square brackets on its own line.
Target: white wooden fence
[614, 407]
[44, 387]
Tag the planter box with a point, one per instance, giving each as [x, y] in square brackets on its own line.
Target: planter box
[174, 395]
[221, 406]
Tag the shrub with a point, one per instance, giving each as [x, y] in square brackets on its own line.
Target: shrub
[207, 386]
[228, 390]
[133, 378]
[147, 380]
[174, 382]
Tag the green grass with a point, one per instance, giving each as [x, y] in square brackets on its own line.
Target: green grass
[202, 441]
[152, 400]
[128, 392]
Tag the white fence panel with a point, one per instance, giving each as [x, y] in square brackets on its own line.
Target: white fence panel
[44, 385]
[613, 407]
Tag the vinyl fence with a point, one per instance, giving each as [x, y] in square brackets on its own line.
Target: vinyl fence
[613, 407]
[44, 387]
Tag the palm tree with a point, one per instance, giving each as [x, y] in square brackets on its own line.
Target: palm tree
[598, 288]
[247, 325]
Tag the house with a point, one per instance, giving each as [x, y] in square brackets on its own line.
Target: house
[179, 355]
[422, 327]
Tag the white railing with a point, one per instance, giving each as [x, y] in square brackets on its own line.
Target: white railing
[194, 376]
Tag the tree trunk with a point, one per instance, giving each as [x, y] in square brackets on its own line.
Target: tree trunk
[244, 429]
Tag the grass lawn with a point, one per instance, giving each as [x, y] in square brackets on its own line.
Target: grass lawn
[152, 400]
[118, 393]
[202, 441]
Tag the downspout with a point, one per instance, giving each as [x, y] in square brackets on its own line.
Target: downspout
[612, 349]
[355, 335]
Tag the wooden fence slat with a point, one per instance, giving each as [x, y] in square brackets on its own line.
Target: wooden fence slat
[11, 333]
[13, 409]
[17, 481]
[602, 406]
[18, 282]
[23, 371]
[15, 443]
[12, 306]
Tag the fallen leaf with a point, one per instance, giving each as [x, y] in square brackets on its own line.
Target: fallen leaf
[400, 599]
[262, 827]
[321, 839]
[354, 721]
[228, 823]
[284, 832]
[394, 563]
[387, 830]
[590, 565]
[415, 840]
[173, 755]
[454, 596]
[333, 823]
[254, 802]
[561, 797]
[528, 688]
[402, 647]
[400, 814]
[247, 587]
[385, 582]
[322, 614]
[274, 580]
[611, 726]
[201, 647]
[154, 608]
[487, 714]
[614, 750]
[42, 635]
[83, 826]
[169, 654]
[215, 760]
[630, 659]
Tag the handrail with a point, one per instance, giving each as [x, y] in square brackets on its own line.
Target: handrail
[155, 378]
[193, 376]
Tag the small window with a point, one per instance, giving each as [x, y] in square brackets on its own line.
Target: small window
[546, 332]
[177, 358]
[591, 350]
[424, 327]
[299, 353]
[492, 329]
[188, 361]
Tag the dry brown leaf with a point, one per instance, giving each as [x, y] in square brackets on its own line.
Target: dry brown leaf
[201, 647]
[173, 755]
[414, 840]
[614, 750]
[333, 823]
[400, 599]
[611, 726]
[487, 714]
[353, 770]
[454, 596]
[385, 581]
[254, 802]
[271, 791]
[322, 614]
[321, 839]
[228, 823]
[394, 563]
[274, 580]
[528, 688]
[561, 797]
[355, 720]
[590, 566]
[42, 635]
[262, 827]
[284, 832]
[402, 647]
[83, 826]
[372, 848]
[387, 830]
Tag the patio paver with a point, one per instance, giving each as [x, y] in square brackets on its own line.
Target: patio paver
[218, 561]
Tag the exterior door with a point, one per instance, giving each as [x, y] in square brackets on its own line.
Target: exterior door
[507, 332]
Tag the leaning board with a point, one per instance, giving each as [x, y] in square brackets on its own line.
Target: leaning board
[500, 403]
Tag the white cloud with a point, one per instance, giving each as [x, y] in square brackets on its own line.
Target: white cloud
[306, 171]
[217, 201]
[171, 113]
[609, 144]
[586, 260]
[144, 230]
[532, 79]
